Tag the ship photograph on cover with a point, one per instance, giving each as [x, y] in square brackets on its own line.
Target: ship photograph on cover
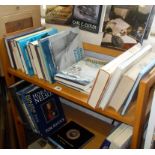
[125, 25]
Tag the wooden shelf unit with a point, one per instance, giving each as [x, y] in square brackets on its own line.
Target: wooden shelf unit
[134, 117]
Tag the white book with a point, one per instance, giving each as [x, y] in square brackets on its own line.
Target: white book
[127, 81]
[17, 56]
[120, 70]
[142, 73]
[33, 46]
[105, 73]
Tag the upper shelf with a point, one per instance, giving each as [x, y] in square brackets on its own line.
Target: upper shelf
[75, 96]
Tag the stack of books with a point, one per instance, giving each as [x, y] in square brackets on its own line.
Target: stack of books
[117, 82]
[42, 51]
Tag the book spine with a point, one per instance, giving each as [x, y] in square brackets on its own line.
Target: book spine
[10, 54]
[145, 71]
[29, 50]
[50, 67]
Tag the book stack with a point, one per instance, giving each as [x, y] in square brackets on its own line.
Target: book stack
[119, 138]
[43, 52]
[117, 82]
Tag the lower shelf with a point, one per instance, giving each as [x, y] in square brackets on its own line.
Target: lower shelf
[96, 126]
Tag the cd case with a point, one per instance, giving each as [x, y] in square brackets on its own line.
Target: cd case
[71, 136]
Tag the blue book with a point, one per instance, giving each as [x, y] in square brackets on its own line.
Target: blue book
[8, 44]
[21, 98]
[23, 42]
[61, 50]
[142, 73]
[46, 110]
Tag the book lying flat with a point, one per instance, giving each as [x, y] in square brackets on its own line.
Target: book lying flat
[71, 136]
[81, 74]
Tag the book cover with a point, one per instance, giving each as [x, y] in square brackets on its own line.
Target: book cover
[45, 108]
[61, 50]
[81, 74]
[10, 49]
[71, 136]
[29, 121]
[125, 25]
[23, 42]
[59, 14]
[87, 17]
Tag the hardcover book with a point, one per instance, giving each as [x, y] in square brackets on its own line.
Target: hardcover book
[22, 43]
[61, 51]
[45, 108]
[71, 136]
[81, 75]
[105, 73]
[125, 25]
[10, 50]
[120, 70]
[87, 17]
[122, 91]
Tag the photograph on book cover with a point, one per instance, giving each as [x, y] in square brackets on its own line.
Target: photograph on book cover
[50, 111]
[125, 25]
[87, 17]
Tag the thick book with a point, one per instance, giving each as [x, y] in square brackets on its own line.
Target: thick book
[119, 138]
[71, 136]
[45, 109]
[22, 43]
[105, 74]
[120, 70]
[142, 73]
[125, 26]
[80, 75]
[61, 51]
[87, 17]
[10, 50]
[127, 81]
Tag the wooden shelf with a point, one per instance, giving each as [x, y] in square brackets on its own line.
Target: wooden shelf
[75, 96]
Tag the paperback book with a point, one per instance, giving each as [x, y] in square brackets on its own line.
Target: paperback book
[87, 17]
[71, 136]
[125, 25]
